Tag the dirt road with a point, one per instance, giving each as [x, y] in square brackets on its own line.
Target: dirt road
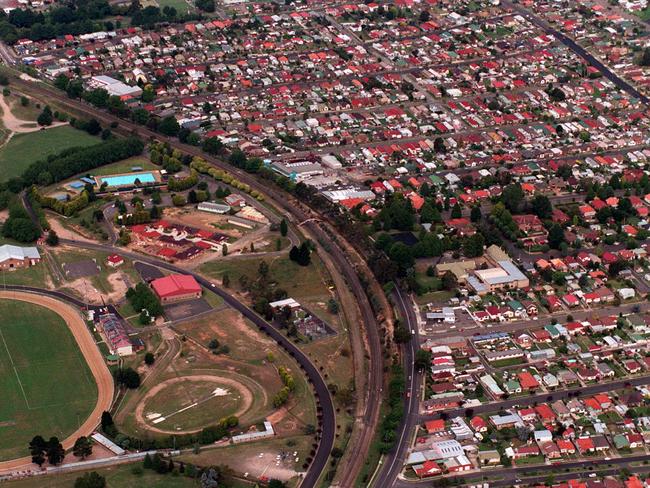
[93, 357]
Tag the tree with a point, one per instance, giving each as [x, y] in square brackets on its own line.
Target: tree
[302, 254]
[456, 211]
[107, 421]
[127, 377]
[52, 238]
[402, 255]
[169, 126]
[45, 117]
[422, 359]
[284, 228]
[149, 358]
[512, 197]
[555, 236]
[475, 215]
[212, 145]
[276, 484]
[225, 280]
[401, 335]
[473, 245]
[205, 5]
[93, 127]
[542, 207]
[82, 447]
[37, 447]
[55, 452]
[90, 480]
[645, 57]
[21, 229]
[449, 281]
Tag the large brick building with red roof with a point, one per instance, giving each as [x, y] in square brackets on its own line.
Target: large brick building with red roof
[176, 287]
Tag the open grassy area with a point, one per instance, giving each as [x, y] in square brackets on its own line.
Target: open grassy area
[246, 457]
[306, 284]
[192, 405]
[180, 5]
[124, 166]
[45, 385]
[38, 275]
[116, 477]
[24, 149]
[245, 361]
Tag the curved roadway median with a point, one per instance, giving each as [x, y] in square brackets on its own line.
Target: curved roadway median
[92, 356]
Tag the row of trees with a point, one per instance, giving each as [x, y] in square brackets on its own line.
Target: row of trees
[74, 161]
[181, 184]
[282, 397]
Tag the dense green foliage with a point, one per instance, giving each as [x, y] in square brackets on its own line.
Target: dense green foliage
[19, 226]
[80, 160]
[143, 298]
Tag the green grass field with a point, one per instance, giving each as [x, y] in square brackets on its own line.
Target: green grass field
[180, 5]
[24, 149]
[116, 477]
[177, 398]
[45, 385]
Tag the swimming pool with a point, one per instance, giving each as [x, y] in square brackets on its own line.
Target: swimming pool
[128, 179]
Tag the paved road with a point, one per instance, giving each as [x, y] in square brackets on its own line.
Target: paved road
[394, 460]
[578, 391]
[510, 475]
[325, 408]
[559, 477]
[347, 261]
[580, 51]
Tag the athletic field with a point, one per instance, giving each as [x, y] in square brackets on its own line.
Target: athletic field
[46, 387]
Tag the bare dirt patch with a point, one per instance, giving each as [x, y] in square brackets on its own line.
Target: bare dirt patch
[65, 233]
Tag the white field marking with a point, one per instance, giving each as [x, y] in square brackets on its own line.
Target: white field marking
[11, 360]
[217, 392]
[152, 416]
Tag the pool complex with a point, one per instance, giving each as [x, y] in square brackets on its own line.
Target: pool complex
[127, 179]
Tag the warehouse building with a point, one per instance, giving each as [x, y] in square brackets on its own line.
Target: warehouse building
[176, 288]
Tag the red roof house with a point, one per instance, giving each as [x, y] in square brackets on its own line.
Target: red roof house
[176, 287]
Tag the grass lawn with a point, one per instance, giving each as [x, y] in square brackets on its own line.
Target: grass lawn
[644, 14]
[116, 477]
[124, 166]
[306, 284]
[507, 362]
[45, 384]
[175, 404]
[530, 460]
[297, 280]
[180, 5]
[37, 275]
[24, 149]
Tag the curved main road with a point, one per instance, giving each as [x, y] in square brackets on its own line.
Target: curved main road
[60, 304]
[325, 407]
[344, 259]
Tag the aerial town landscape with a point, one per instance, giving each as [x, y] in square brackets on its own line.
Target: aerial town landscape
[300, 243]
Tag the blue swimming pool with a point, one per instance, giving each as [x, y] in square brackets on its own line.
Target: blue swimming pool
[128, 180]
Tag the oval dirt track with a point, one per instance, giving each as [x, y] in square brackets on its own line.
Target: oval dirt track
[94, 359]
